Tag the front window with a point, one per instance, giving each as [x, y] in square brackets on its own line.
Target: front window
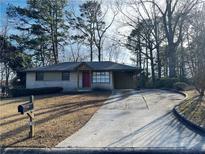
[65, 75]
[101, 77]
[39, 76]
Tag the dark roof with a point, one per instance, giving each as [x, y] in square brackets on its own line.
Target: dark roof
[72, 66]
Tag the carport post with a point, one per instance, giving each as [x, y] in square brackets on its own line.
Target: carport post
[78, 78]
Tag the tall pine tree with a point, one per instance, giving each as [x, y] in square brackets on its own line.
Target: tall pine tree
[42, 28]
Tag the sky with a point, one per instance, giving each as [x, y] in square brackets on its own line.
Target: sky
[4, 4]
[115, 29]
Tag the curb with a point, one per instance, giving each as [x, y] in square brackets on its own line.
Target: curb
[101, 151]
[191, 125]
[196, 128]
[177, 91]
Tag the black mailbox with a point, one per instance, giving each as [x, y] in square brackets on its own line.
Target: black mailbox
[25, 107]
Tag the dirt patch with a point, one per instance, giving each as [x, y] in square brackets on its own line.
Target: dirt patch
[56, 118]
[193, 108]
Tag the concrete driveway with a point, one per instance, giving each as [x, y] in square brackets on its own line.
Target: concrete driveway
[136, 119]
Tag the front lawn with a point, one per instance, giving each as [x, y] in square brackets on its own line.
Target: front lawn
[194, 108]
[56, 117]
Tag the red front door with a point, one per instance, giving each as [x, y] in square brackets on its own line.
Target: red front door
[86, 79]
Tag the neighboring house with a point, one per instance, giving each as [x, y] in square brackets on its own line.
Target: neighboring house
[83, 75]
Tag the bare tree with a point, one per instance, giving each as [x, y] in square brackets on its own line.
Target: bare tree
[91, 25]
[4, 68]
[196, 48]
[146, 23]
[173, 17]
[101, 29]
[113, 52]
[167, 22]
[76, 52]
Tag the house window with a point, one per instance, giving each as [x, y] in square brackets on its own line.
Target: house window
[39, 76]
[65, 75]
[101, 77]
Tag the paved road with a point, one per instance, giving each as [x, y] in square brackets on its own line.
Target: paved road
[128, 121]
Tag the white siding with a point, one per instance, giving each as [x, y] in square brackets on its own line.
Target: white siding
[52, 79]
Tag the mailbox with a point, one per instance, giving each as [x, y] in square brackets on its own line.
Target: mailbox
[28, 108]
[23, 108]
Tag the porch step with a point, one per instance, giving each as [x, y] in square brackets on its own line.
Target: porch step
[84, 90]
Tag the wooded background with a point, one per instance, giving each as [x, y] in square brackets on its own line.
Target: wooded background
[165, 38]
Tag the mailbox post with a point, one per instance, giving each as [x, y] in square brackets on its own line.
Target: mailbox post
[31, 117]
[31, 123]
[28, 109]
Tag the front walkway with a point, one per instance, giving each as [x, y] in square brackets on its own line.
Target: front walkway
[136, 119]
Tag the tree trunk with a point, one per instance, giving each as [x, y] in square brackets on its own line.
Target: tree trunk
[166, 61]
[137, 59]
[147, 64]
[2, 74]
[159, 67]
[172, 60]
[56, 34]
[91, 42]
[99, 54]
[53, 37]
[182, 63]
[156, 36]
[53, 50]
[167, 20]
[202, 92]
[152, 66]
[140, 51]
[91, 51]
[7, 71]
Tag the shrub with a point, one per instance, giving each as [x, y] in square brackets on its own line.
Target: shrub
[19, 81]
[180, 86]
[101, 89]
[166, 82]
[142, 80]
[149, 84]
[35, 91]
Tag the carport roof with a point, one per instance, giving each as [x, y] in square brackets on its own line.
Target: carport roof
[96, 66]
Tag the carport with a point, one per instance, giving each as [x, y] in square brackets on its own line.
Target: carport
[124, 79]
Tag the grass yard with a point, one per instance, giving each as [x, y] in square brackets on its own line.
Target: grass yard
[194, 108]
[56, 117]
